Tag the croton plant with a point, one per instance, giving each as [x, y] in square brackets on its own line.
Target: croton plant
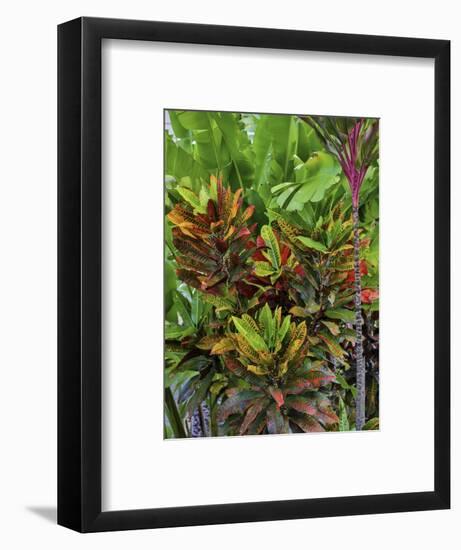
[267, 244]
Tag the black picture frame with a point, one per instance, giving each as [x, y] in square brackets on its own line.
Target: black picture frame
[79, 274]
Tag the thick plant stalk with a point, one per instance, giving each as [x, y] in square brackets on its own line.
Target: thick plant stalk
[359, 356]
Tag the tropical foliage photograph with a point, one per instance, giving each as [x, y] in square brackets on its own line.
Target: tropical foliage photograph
[271, 274]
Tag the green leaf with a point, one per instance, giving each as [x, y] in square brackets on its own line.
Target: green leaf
[200, 392]
[260, 214]
[283, 186]
[192, 199]
[178, 128]
[170, 284]
[315, 177]
[310, 243]
[204, 197]
[252, 337]
[219, 302]
[180, 164]
[275, 145]
[284, 328]
[208, 148]
[183, 307]
[193, 120]
[267, 323]
[308, 142]
[343, 383]
[332, 327]
[332, 345]
[299, 311]
[262, 147]
[343, 420]
[174, 418]
[175, 377]
[255, 369]
[263, 269]
[271, 241]
[346, 315]
[236, 142]
[372, 424]
[174, 332]
[223, 346]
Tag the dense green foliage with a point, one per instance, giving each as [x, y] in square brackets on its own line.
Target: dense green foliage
[259, 278]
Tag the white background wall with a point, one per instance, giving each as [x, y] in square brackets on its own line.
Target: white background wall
[28, 272]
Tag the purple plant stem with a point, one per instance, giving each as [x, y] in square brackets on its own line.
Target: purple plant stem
[359, 356]
[355, 177]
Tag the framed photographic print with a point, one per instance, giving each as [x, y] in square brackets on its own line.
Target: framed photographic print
[253, 274]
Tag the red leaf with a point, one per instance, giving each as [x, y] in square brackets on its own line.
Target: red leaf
[236, 404]
[299, 270]
[211, 210]
[363, 271]
[235, 367]
[244, 232]
[369, 295]
[312, 380]
[327, 416]
[307, 424]
[319, 378]
[245, 290]
[221, 245]
[278, 396]
[285, 254]
[252, 227]
[260, 242]
[251, 415]
[220, 196]
[301, 404]
[259, 257]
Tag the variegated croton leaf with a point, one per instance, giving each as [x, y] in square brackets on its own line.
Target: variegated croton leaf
[262, 269]
[269, 355]
[211, 242]
[274, 268]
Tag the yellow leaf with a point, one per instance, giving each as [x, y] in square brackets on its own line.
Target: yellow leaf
[235, 205]
[245, 349]
[283, 368]
[207, 342]
[263, 269]
[223, 346]
[260, 371]
[298, 311]
[301, 332]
